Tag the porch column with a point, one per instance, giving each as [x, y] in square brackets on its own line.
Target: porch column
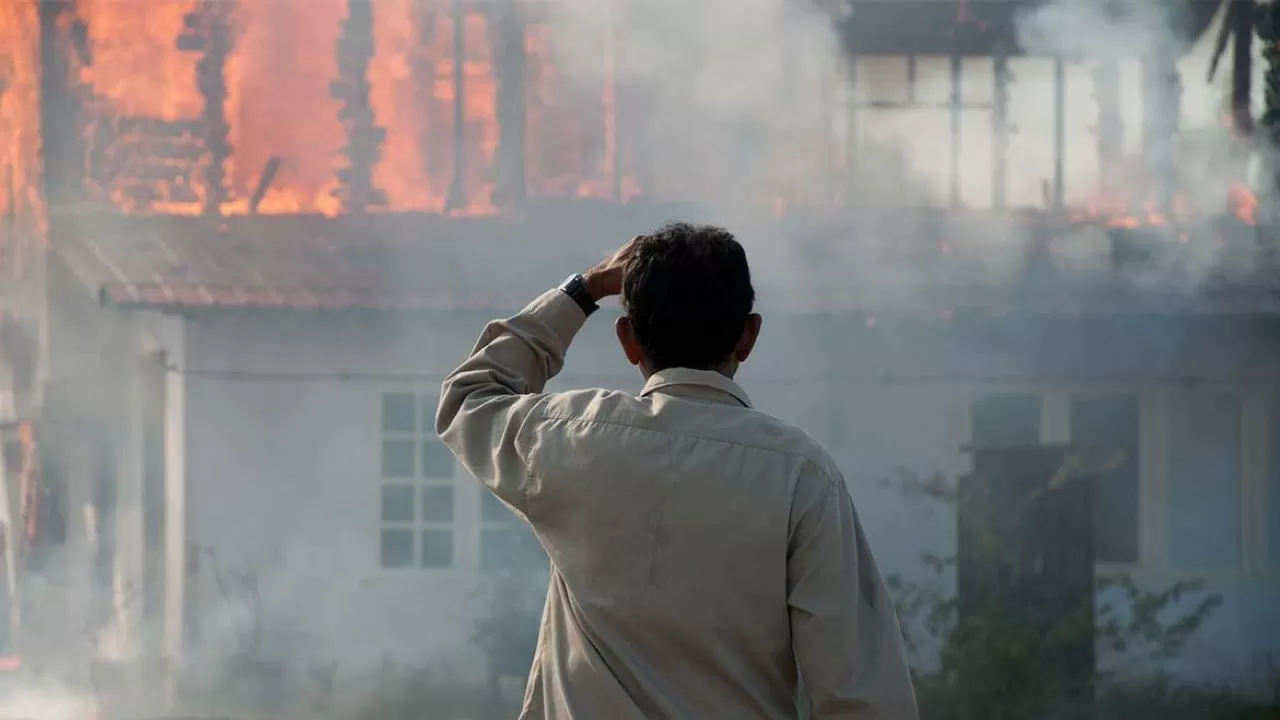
[82, 534]
[175, 501]
[125, 638]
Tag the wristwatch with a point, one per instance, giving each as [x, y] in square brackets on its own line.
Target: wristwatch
[576, 288]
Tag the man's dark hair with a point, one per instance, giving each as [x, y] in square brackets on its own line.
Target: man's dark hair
[687, 290]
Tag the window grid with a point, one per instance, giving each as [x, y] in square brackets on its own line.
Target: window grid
[418, 500]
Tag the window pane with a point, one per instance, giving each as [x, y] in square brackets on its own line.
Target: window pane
[492, 509]
[1204, 480]
[1105, 428]
[397, 458]
[437, 504]
[1005, 421]
[397, 548]
[397, 503]
[437, 461]
[398, 413]
[437, 548]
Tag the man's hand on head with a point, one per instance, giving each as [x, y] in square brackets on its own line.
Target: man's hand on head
[604, 279]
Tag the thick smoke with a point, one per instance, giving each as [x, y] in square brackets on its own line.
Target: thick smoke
[746, 106]
[729, 92]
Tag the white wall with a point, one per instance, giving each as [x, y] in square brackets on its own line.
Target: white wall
[282, 460]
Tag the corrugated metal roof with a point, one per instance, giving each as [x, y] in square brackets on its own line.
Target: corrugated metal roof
[379, 262]
[420, 262]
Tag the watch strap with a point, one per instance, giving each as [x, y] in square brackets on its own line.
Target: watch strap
[576, 288]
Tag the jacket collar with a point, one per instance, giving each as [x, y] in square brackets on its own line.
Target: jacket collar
[702, 384]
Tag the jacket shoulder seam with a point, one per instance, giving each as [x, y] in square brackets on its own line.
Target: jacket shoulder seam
[726, 441]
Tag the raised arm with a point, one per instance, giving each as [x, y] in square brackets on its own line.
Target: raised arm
[487, 403]
[843, 627]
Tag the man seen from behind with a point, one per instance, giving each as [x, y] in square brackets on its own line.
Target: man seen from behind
[706, 558]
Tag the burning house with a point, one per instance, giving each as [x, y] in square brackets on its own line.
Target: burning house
[244, 240]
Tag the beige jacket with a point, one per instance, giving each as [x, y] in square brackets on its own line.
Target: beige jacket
[702, 553]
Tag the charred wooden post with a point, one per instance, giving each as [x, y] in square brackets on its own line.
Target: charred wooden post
[1025, 583]
[510, 70]
[912, 78]
[60, 112]
[957, 75]
[1106, 90]
[1059, 132]
[1242, 28]
[364, 138]
[208, 31]
[1000, 130]
[457, 197]
[267, 177]
[1162, 103]
[617, 114]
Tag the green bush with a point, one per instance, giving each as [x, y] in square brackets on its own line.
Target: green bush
[1000, 656]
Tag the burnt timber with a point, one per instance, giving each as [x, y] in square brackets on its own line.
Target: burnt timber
[977, 27]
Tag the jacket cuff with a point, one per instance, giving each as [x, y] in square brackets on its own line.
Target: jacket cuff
[559, 312]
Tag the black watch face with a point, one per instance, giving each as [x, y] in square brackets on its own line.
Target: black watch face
[576, 289]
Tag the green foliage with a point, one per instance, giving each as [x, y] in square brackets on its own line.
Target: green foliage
[1267, 25]
[1000, 655]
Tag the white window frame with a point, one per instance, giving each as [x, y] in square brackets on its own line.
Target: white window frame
[1253, 448]
[1153, 464]
[422, 432]
[1055, 428]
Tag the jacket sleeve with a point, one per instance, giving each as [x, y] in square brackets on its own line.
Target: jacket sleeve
[486, 403]
[844, 629]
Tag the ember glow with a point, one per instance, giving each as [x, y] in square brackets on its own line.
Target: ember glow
[1243, 203]
[541, 131]
[1120, 212]
[21, 205]
[143, 95]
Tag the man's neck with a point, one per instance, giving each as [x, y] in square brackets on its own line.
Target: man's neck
[728, 369]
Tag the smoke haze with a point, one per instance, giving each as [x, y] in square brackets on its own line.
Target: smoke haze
[747, 106]
[744, 105]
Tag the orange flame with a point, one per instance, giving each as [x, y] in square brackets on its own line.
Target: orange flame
[1120, 213]
[22, 209]
[278, 80]
[136, 68]
[1243, 204]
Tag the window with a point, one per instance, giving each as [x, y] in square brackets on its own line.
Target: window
[1005, 421]
[1105, 429]
[417, 489]
[1203, 485]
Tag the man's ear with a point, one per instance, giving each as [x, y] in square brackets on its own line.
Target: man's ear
[750, 334]
[627, 339]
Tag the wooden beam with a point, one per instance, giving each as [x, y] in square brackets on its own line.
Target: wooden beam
[457, 197]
